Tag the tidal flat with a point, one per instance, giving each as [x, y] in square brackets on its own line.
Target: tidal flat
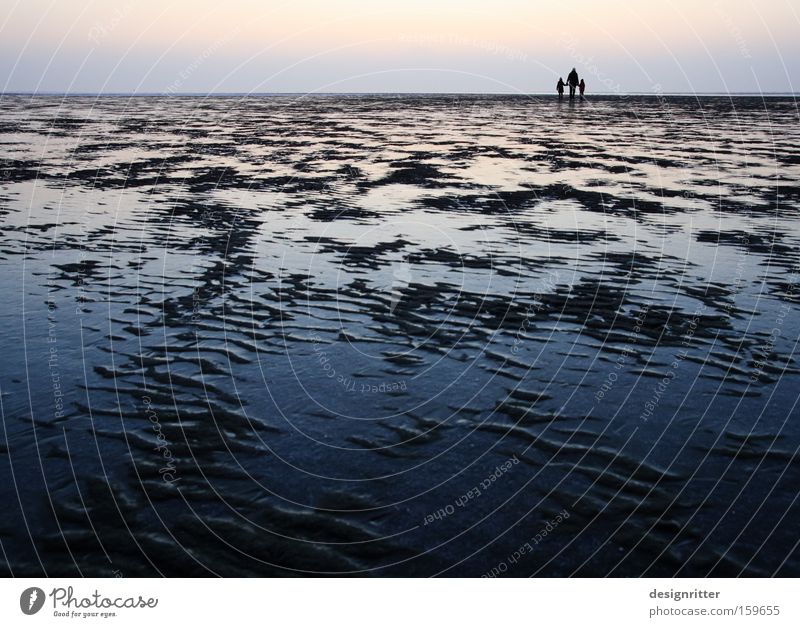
[399, 336]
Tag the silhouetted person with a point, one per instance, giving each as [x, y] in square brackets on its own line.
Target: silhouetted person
[572, 81]
[582, 87]
[560, 87]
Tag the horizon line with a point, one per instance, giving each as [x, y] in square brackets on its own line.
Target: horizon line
[199, 94]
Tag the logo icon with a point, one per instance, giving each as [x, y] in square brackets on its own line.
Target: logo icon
[31, 600]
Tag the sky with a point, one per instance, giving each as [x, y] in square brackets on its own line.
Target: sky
[453, 46]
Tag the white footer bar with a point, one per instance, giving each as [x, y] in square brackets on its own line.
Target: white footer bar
[399, 602]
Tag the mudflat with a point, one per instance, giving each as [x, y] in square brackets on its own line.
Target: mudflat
[399, 335]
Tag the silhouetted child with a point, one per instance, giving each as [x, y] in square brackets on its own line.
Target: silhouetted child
[560, 87]
[582, 87]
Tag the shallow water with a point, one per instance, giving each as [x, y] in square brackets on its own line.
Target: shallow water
[399, 336]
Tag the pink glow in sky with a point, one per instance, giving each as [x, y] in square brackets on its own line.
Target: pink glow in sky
[375, 46]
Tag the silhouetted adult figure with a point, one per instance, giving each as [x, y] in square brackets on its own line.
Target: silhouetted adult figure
[572, 81]
[560, 87]
[582, 87]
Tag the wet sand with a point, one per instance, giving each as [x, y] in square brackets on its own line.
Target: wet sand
[399, 335]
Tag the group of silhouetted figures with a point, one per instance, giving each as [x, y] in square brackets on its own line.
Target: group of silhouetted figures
[573, 82]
